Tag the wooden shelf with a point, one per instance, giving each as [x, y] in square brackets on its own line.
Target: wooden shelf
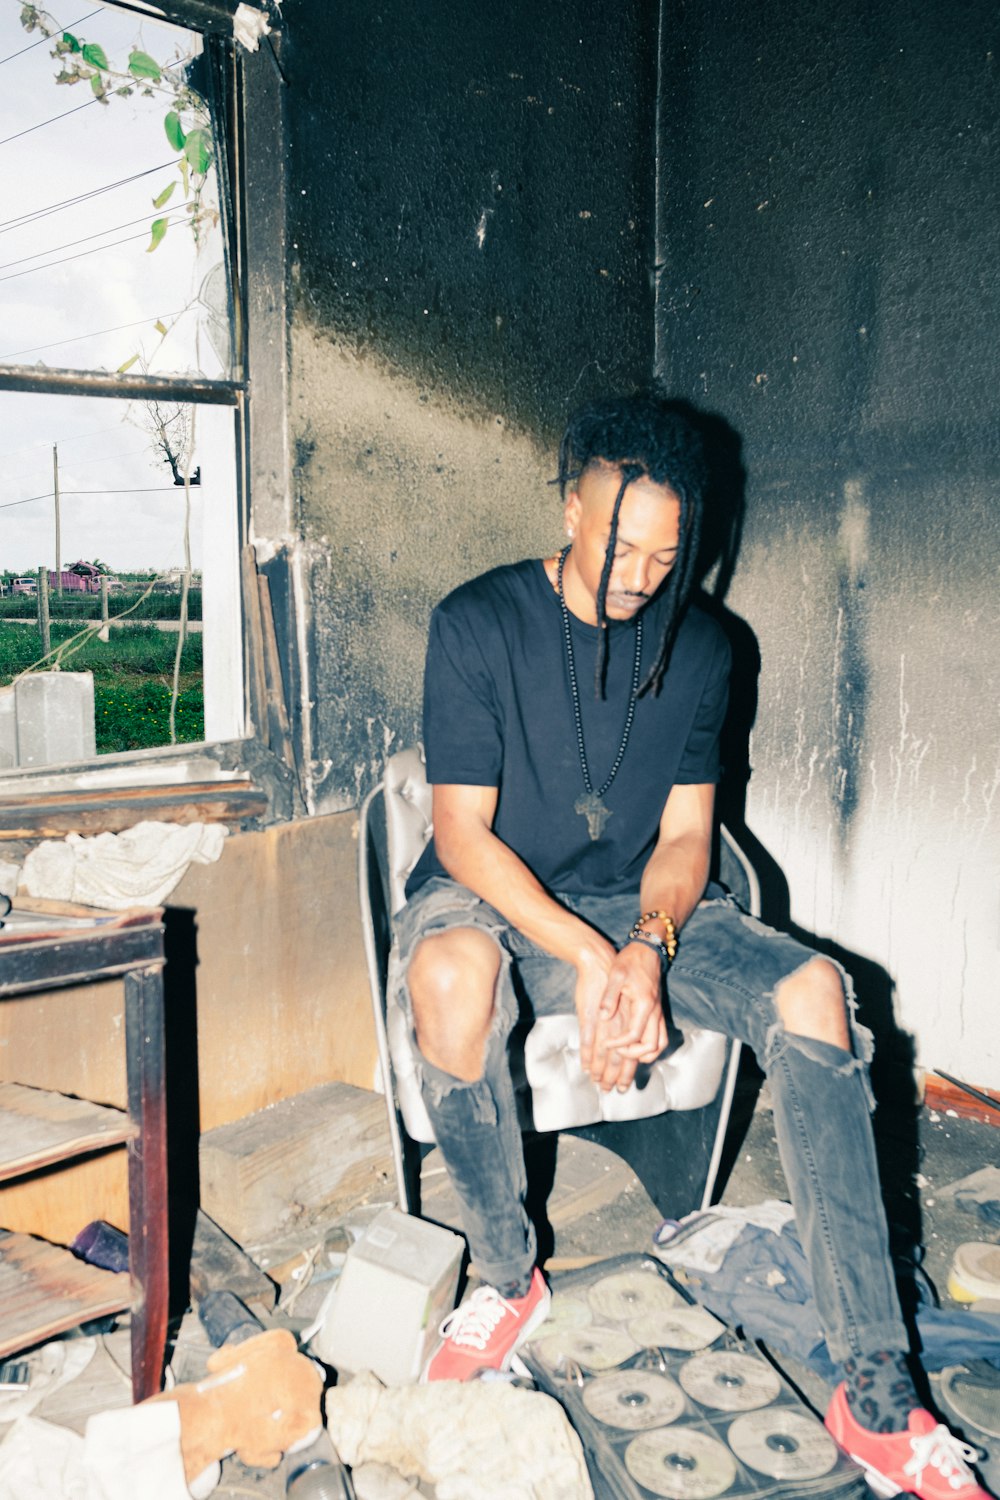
[45, 1290]
[38, 1127]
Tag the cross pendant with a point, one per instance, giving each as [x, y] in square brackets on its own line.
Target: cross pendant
[590, 806]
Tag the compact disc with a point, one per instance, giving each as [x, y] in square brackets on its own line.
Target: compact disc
[590, 1348]
[728, 1381]
[686, 1328]
[783, 1443]
[683, 1464]
[631, 1294]
[634, 1399]
[564, 1312]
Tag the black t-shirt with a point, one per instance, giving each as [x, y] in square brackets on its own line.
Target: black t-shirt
[498, 712]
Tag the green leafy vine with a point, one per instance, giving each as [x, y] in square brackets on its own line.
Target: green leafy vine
[186, 123]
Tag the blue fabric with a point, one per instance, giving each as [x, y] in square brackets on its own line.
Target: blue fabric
[724, 977]
[498, 712]
[744, 1291]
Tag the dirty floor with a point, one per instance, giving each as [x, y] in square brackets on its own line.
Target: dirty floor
[599, 1208]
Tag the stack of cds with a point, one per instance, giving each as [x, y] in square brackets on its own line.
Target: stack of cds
[668, 1401]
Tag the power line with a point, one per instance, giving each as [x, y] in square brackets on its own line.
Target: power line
[11, 503]
[107, 458]
[54, 208]
[51, 121]
[156, 489]
[75, 110]
[42, 39]
[98, 333]
[180, 62]
[77, 437]
[83, 239]
[78, 256]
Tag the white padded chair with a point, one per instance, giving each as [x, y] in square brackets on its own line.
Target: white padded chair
[669, 1126]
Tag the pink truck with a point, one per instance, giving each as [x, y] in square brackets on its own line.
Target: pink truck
[81, 578]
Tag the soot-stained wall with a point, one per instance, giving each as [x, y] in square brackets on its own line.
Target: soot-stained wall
[471, 239]
[828, 231]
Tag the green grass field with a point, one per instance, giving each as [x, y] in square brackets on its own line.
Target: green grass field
[133, 673]
[73, 606]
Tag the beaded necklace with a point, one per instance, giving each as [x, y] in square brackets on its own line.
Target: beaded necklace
[591, 804]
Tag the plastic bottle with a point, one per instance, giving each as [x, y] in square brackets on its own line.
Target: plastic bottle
[318, 1474]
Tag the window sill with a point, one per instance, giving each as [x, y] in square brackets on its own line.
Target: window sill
[238, 783]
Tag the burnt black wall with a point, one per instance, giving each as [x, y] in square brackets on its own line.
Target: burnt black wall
[832, 286]
[471, 210]
[472, 191]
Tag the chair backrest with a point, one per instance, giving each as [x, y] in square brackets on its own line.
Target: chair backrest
[408, 823]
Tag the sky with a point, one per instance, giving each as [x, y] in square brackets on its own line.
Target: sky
[118, 502]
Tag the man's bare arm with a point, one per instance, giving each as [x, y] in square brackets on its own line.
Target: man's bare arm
[473, 855]
[673, 882]
[676, 874]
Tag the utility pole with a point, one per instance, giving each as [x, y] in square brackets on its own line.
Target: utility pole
[43, 610]
[55, 491]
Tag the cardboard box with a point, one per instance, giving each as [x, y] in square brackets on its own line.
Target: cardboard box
[398, 1283]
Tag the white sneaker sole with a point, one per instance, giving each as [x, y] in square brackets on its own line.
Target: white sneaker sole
[537, 1318]
[878, 1483]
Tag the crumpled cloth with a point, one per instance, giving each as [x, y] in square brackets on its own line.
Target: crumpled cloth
[52, 1366]
[134, 1451]
[472, 1440]
[249, 25]
[701, 1241]
[763, 1285]
[139, 867]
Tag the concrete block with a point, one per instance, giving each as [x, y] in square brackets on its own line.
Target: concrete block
[397, 1284]
[326, 1149]
[8, 728]
[55, 718]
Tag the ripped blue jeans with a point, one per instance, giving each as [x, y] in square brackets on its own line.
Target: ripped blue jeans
[727, 969]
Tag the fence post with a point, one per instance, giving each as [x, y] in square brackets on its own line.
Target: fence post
[43, 610]
[104, 600]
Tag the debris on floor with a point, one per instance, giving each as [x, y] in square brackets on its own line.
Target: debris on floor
[398, 1282]
[474, 1441]
[281, 1282]
[979, 1194]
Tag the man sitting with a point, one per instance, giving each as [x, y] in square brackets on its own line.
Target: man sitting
[572, 714]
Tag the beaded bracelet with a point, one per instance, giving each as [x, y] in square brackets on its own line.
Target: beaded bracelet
[650, 941]
[670, 941]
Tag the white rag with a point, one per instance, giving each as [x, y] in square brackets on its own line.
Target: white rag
[139, 867]
[52, 1366]
[134, 1451]
[249, 25]
[702, 1240]
[473, 1440]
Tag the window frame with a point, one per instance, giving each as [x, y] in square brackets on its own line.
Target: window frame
[250, 124]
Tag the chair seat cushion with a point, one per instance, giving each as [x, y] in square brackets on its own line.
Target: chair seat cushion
[559, 1094]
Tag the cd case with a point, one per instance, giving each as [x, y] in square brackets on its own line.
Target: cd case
[669, 1401]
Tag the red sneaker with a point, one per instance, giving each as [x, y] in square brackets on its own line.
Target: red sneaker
[485, 1331]
[925, 1460]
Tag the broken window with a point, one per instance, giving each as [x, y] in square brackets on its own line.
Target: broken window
[121, 387]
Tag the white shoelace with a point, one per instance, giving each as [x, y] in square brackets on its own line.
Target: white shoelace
[942, 1450]
[472, 1324]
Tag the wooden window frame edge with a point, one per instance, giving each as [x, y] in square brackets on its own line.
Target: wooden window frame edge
[270, 755]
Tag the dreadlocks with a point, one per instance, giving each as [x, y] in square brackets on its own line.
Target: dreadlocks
[641, 434]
